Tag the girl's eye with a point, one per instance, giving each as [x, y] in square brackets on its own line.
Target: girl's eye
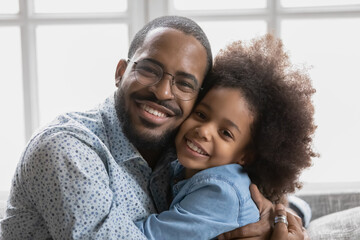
[200, 115]
[227, 134]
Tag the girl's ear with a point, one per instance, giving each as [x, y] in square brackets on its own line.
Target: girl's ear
[120, 69]
[247, 158]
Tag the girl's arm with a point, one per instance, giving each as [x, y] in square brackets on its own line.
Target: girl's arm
[207, 209]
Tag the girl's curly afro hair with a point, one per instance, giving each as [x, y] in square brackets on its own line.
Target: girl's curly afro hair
[279, 96]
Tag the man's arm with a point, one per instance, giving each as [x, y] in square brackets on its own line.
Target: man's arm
[262, 230]
[67, 184]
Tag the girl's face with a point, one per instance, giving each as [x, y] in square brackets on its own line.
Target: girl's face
[217, 131]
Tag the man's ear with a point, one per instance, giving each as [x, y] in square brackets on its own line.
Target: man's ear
[120, 69]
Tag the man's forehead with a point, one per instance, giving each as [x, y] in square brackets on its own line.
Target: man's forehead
[161, 32]
[155, 40]
[169, 41]
[160, 36]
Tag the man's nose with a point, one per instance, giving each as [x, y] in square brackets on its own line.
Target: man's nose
[162, 89]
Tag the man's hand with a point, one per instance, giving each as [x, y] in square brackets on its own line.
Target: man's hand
[260, 230]
[294, 230]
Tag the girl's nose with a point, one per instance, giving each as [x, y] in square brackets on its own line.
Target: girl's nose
[204, 132]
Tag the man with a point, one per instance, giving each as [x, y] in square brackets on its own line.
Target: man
[86, 175]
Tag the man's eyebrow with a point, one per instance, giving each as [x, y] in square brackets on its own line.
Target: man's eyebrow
[153, 61]
[227, 121]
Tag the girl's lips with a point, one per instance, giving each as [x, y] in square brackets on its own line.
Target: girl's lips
[196, 147]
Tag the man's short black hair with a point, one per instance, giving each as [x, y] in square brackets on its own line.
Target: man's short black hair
[182, 24]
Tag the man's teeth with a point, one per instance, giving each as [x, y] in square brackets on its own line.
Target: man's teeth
[195, 148]
[153, 111]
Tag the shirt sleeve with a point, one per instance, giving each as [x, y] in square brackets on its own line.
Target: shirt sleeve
[210, 208]
[68, 184]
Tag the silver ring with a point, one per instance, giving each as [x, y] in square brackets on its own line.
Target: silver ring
[282, 219]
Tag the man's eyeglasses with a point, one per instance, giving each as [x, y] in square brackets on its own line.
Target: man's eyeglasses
[149, 73]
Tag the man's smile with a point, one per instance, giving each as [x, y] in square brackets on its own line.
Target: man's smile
[153, 111]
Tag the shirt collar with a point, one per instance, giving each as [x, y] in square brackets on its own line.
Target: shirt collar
[120, 146]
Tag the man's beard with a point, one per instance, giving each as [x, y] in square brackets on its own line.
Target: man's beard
[142, 141]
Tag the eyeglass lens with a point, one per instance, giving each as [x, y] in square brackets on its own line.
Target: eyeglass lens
[149, 73]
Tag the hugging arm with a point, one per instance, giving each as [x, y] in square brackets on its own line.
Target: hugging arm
[262, 230]
[202, 214]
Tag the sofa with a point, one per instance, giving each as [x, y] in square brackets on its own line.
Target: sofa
[324, 204]
[334, 215]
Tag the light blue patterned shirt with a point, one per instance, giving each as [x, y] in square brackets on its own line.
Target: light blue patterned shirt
[80, 178]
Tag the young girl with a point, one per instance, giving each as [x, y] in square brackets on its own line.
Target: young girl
[255, 119]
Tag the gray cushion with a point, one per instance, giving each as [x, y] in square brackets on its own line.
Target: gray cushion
[324, 204]
[343, 225]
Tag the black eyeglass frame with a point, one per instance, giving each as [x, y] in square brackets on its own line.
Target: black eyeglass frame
[194, 94]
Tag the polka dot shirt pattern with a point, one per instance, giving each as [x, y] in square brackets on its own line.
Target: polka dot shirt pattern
[80, 178]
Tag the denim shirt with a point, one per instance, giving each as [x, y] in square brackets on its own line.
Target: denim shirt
[81, 178]
[213, 201]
